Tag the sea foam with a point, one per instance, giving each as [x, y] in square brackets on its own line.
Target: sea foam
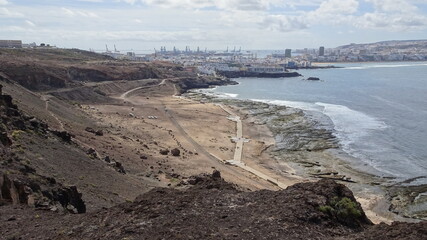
[350, 125]
[384, 66]
[211, 92]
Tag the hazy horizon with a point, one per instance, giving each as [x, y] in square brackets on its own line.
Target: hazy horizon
[250, 24]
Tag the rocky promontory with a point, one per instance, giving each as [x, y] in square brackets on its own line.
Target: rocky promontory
[239, 74]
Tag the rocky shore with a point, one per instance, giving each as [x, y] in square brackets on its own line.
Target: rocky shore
[311, 149]
[239, 74]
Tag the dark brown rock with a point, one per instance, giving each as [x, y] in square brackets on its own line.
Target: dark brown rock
[64, 135]
[91, 130]
[175, 152]
[164, 151]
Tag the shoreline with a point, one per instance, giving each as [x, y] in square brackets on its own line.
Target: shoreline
[313, 164]
[324, 63]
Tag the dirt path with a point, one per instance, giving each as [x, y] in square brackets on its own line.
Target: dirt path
[238, 152]
[46, 99]
[237, 160]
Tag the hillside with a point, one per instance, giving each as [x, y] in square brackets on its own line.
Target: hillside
[95, 148]
[389, 45]
[46, 69]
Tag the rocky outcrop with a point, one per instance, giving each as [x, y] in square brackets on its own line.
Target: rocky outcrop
[239, 74]
[39, 192]
[207, 207]
[293, 129]
[47, 69]
[19, 183]
[214, 209]
[185, 84]
[98, 132]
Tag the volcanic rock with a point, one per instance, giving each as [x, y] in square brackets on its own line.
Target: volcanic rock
[175, 152]
[164, 151]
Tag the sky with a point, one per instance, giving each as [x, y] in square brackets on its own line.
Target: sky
[213, 24]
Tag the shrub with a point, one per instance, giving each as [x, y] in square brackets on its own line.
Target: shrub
[344, 210]
[16, 134]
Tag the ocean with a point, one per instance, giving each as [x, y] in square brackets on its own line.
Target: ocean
[378, 111]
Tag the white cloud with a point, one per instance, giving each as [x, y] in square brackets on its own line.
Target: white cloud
[250, 23]
[338, 7]
[396, 22]
[128, 1]
[72, 13]
[6, 13]
[95, 1]
[283, 23]
[29, 23]
[3, 2]
[393, 15]
[393, 5]
[246, 5]
[68, 12]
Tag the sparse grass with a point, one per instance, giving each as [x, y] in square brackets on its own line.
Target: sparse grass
[16, 134]
[18, 148]
[174, 180]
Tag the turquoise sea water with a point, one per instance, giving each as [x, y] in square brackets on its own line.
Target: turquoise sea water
[379, 110]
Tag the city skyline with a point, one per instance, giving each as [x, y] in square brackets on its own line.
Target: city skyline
[250, 24]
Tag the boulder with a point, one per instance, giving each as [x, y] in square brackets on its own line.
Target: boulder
[5, 140]
[89, 129]
[164, 151]
[119, 167]
[216, 174]
[64, 135]
[107, 159]
[175, 152]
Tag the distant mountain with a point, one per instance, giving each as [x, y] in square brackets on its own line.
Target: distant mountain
[392, 44]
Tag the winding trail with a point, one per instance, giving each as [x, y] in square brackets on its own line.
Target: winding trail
[46, 99]
[237, 160]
